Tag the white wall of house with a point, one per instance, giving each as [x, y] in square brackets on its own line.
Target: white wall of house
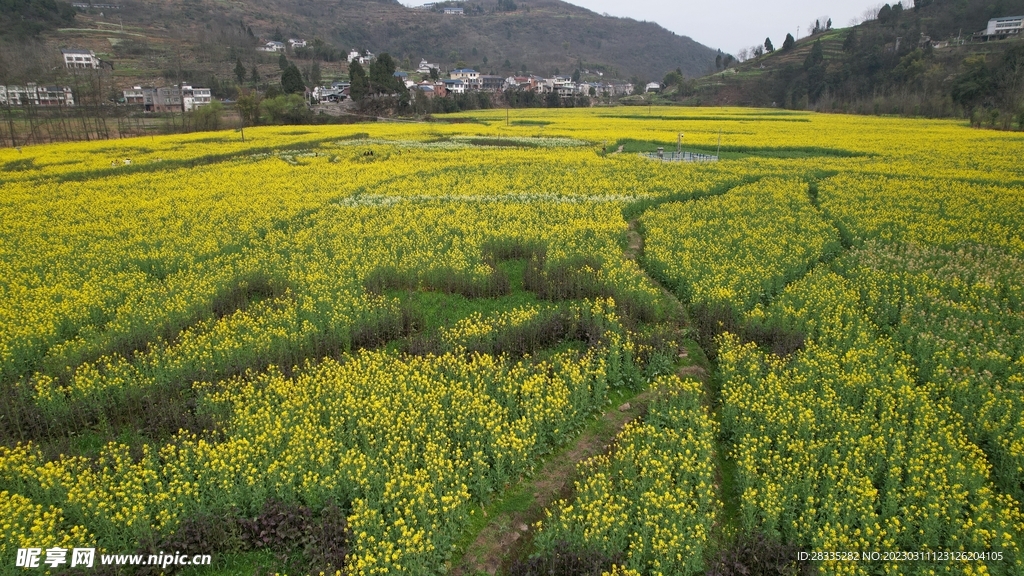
[1005, 25]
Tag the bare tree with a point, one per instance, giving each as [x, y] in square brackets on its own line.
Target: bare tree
[870, 13]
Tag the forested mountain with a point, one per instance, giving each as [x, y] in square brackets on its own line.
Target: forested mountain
[921, 60]
[20, 19]
[202, 40]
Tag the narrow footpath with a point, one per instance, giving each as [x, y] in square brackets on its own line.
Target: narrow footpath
[507, 534]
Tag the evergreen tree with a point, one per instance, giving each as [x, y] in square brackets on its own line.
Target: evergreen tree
[789, 42]
[315, 75]
[850, 43]
[254, 77]
[885, 14]
[291, 80]
[382, 74]
[358, 82]
[239, 71]
[768, 47]
[816, 57]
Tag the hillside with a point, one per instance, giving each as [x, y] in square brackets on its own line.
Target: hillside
[200, 40]
[917, 61]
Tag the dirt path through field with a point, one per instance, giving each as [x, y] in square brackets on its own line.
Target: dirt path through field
[504, 536]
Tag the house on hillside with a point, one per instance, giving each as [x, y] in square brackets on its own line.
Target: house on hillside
[455, 11]
[652, 87]
[425, 67]
[296, 43]
[404, 77]
[1000, 28]
[272, 46]
[74, 58]
[363, 58]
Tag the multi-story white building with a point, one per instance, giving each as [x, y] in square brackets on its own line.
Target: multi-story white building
[468, 75]
[454, 11]
[35, 95]
[1005, 26]
[272, 46]
[297, 43]
[136, 95]
[424, 67]
[168, 98]
[193, 98]
[74, 58]
[455, 86]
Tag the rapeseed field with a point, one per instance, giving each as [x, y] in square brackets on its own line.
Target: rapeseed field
[342, 344]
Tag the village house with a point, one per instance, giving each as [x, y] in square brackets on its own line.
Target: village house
[652, 87]
[194, 98]
[490, 83]
[427, 89]
[134, 96]
[297, 43]
[470, 77]
[1001, 28]
[324, 94]
[363, 58]
[525, 83]
[34, 95]
[404, 77]
[272, 46]
[455, 86]
[74, 58]
[454, 11]
[566, 89]
[168, 98]
[563, 85]
[425, 67]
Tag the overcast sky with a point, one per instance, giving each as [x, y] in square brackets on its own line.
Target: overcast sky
[730, 25]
